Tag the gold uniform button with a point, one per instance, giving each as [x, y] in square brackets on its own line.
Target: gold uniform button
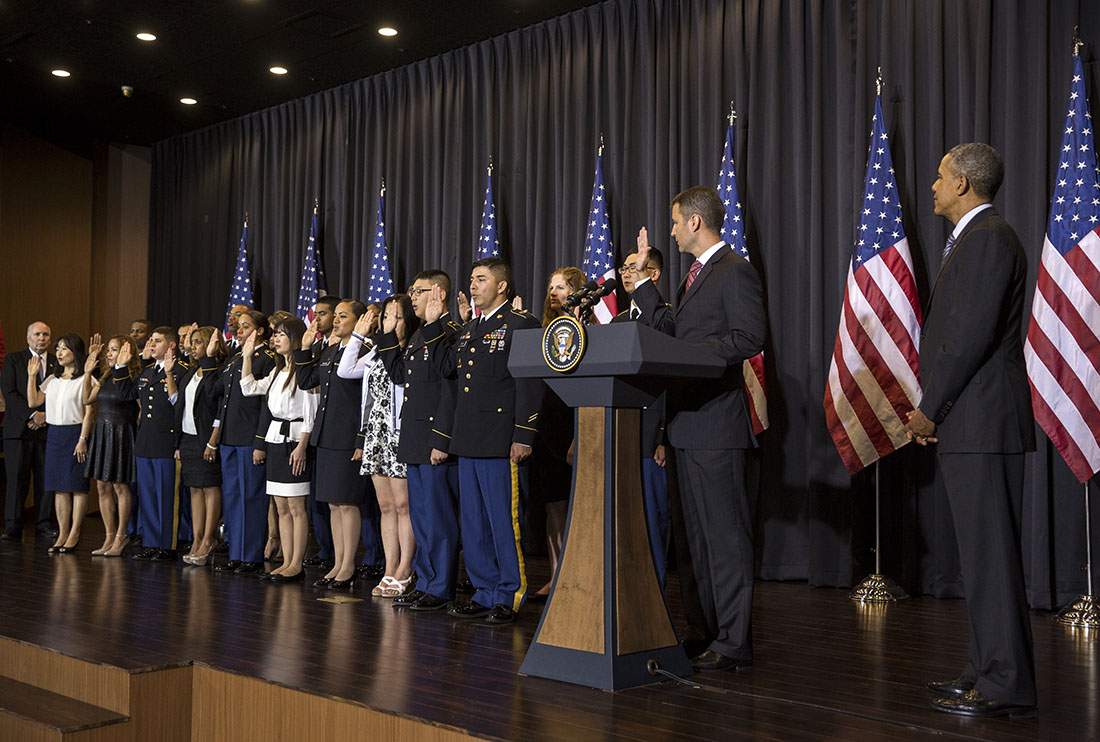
[410, 371]
[500, 409]
[406, 398]
[148, 415]
[467, 376]
[466, 389]
[472, 349]
[408, 384]
[431, 419]
[469, 363]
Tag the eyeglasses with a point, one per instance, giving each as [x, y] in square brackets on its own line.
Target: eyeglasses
[626, 270]
[418, 292]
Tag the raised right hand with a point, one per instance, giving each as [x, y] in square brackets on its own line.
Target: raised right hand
[465, 311]
[434, 307]
[643, 247]
[124, 355]
[310, 336]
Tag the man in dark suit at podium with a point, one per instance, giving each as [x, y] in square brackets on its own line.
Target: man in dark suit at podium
[976, 406]
[25, 435]
[719, 309]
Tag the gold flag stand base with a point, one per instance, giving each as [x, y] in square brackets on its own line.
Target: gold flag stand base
[1082, 613]
[877, 589]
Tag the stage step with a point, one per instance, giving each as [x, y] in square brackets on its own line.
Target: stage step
[31, 713]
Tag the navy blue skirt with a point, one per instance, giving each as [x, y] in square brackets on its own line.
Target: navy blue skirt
[63, 472]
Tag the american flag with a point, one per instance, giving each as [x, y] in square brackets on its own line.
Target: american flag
[599, 253]
[733, 233]
[874, 378]
[1063, 336]
[381, 284]
[313, 278]
[488, 246]
[241, 292]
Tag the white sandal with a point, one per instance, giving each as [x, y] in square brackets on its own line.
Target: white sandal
[397, 588]
[381, 589]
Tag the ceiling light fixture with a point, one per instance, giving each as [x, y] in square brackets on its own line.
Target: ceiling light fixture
[387, 31]
[276, 70]
[60, 73]
[146, 36]
[188, 101]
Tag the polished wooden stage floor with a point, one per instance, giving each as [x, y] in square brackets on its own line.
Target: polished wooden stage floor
[825, 669]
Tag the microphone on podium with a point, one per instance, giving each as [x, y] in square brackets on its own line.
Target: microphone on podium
[579, 295]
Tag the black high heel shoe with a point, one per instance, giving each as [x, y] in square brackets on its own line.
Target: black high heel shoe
[342, 584]
[323, 582]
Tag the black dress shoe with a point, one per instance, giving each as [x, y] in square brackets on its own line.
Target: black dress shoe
[500, 614]
[163, 555]
[144, 555]
[249, 568]
[46, 532]
[316, 562]
[283, 579]
[428, 602]
[345, 585]
[222, 548]
[711, 660]
[949, 688]
[466, 587]
[406, 600]
[322, 582]
[12, 534]
[370, 572]
[973, 703]
[229, 566]
[469, 611]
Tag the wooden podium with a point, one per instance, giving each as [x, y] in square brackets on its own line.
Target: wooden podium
[606, 618]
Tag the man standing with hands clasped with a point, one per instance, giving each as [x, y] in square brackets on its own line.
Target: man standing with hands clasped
[719, 309]
[977, 409]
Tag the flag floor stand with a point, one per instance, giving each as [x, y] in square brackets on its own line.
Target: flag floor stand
[1083, 613]
[877, 588]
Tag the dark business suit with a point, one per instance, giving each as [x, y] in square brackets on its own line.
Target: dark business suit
[24, 449]
[710, 428]
[976, 391]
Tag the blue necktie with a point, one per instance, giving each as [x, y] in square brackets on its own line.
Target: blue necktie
[947, 248]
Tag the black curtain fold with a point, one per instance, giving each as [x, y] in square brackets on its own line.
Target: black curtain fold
[656, 80]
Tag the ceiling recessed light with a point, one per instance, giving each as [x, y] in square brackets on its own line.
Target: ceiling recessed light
[60, 73]
[277, 70]
[387, 31]
[188, 101]
[146, 36]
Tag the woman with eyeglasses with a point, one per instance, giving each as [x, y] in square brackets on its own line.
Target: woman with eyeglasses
[70, 422]
[111, 461]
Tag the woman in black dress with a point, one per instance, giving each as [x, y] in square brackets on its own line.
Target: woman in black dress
[197, 406]
[111, 448]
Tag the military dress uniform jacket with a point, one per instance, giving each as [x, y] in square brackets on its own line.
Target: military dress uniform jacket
[493, 410]
[336, 426]
[156, 433]
[243, 420]
[429, 398]
[207, 404]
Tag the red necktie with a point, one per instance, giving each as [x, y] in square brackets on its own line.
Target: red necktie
[695, 268]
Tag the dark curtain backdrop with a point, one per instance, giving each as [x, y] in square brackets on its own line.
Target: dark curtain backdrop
[656, 80]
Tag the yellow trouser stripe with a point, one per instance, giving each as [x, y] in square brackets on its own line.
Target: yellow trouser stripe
[517, 599]
[176, 507]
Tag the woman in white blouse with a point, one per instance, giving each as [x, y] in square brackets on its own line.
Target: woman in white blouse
[70, 422]
[288, 463]
[381, 427]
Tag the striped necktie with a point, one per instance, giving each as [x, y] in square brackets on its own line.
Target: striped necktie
[692, 274]
[947, 248]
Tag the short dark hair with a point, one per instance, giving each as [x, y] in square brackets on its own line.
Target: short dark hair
[170, 333]
[981, 165]
[329, 300]
[436, 277]
[357, 307]
[702, 201]
[501, 272]
[147, 322]
[656, 258]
